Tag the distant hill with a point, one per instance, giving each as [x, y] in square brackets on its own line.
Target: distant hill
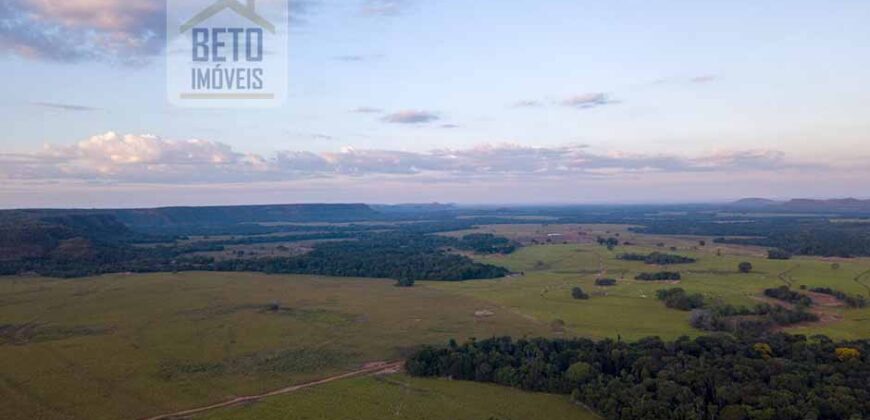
[754, 203]
[28, 235]
[805, 205]
[838, 205]
[100, 235]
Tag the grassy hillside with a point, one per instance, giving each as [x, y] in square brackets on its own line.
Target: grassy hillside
[132, 346]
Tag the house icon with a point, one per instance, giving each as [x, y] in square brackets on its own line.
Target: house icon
[248, 11]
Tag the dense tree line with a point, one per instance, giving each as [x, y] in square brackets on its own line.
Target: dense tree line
[75, 244]
[712, 377]
[657, 258]
[485, 243]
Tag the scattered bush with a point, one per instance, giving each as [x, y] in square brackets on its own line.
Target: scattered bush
[657, 258]
[605, 282]
[785, 294]
[406, 282]
[578, 293]
[677, 298]
[745, 267]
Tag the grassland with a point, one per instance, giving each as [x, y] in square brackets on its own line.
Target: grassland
[630, 309]
[401, 396]
[133, 346]
[124, 346]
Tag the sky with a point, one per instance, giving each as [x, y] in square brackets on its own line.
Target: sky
[391, 101]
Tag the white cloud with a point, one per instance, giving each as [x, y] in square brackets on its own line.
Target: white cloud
[116, 158]
[588, 100]
[411, 117]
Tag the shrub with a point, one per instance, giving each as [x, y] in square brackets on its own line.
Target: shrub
[745, 267]
[663, 275]
[783, 293]
[677, 298]
[657, 258]
[605, 282]
[578, 293]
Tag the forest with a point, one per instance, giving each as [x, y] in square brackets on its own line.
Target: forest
[777, 376]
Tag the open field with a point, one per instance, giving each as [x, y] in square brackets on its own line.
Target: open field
[402, 396]
[133, 346]
[574, 233]
[122, 346]
[630, 309]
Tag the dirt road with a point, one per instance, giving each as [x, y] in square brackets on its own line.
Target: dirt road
[367, 369]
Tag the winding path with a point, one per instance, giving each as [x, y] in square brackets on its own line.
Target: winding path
[785, 276]
[368, 369]
[858, 278]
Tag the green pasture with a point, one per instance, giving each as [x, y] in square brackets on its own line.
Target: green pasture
[404, 397]
[130, 346]
[630, 309]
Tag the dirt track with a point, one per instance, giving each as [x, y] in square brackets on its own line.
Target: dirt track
[367, 369]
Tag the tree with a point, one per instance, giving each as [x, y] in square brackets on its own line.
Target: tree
[578, 293]
[847, 353]
[745, 267]
[579, 372]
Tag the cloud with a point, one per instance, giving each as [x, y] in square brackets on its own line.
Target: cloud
[368, 110]
[588, 101]
[64, 107]
[384, 7]
[116, 158]
[411, 117]
[450, 126]
[527, 104]
[708, 78]
[119, 31]
[75, 30]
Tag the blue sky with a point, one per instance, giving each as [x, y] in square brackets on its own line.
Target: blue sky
[486, 101]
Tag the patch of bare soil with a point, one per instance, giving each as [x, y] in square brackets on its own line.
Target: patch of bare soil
[822, 299]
